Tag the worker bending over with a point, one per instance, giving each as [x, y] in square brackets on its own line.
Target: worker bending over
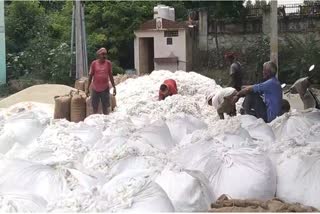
[223, 101]
[268, 107]
[168, 88]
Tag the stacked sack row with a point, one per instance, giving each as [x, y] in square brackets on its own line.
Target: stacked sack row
[76, 106]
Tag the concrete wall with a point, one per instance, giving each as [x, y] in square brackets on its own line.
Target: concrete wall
[241, 34]
[245, 36]
[162, 50]
[3, 74]
[203, 30]
[189, 46]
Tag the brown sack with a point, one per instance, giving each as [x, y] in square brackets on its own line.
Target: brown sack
[90, 109]
[86, 84]
[62, 107]
[81, 84]
[78, 107]
[224, 204]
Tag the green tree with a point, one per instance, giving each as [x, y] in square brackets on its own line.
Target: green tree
[59, 24]
[25, 20]
[111, 24]
[36, 41]
[296, 55]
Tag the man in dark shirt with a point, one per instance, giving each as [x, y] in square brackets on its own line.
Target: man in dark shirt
[235, 72]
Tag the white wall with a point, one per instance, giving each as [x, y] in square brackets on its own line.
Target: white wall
[136, 54]
[161, 49]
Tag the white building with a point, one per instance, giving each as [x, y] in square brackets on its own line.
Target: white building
[163, 44]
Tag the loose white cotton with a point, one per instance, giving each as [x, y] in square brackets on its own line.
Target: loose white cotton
[292, 125]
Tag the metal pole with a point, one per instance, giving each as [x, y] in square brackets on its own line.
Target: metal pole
[72, 41]
[84, 42]
[3, 73]
[79, 48]
[274, 32]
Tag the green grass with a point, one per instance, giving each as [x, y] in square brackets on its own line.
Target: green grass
[4, 90]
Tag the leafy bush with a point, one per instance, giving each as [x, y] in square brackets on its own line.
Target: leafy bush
[4, 90]
[41, 62]
[296, 55]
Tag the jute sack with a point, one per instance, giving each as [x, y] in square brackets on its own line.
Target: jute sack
[223, 204]
[78, 106]
[90, 109]
[86, 84]
[62, 107]
[82, 84]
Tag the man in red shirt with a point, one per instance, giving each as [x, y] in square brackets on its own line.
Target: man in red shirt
[99, 76]
[168, 88]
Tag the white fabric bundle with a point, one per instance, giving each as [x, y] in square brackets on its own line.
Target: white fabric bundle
[298, 178]
[17, 176]
[21, 203]
[241, 173]
[188, 190]
[257, 129]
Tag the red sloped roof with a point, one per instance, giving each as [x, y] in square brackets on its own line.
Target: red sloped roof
[166, 24]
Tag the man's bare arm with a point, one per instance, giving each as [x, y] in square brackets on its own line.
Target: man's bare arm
[89, 83]
[245, 91]
[112, 83]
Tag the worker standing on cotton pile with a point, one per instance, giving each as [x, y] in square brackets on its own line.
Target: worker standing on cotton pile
[168, 88]
[99, 76]
[223, 101]
[235, 71]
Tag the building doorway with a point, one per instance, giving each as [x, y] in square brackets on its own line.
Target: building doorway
[146, 55]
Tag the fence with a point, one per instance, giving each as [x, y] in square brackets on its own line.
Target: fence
[309, 9]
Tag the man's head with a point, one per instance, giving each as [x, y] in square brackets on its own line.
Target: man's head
[164, 90]
[269, 70]
[102, 53]
[230, 57]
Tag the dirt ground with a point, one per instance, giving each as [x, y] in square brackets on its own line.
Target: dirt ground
[39, 93]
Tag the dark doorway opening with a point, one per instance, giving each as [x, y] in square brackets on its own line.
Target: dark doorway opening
[146, 55]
